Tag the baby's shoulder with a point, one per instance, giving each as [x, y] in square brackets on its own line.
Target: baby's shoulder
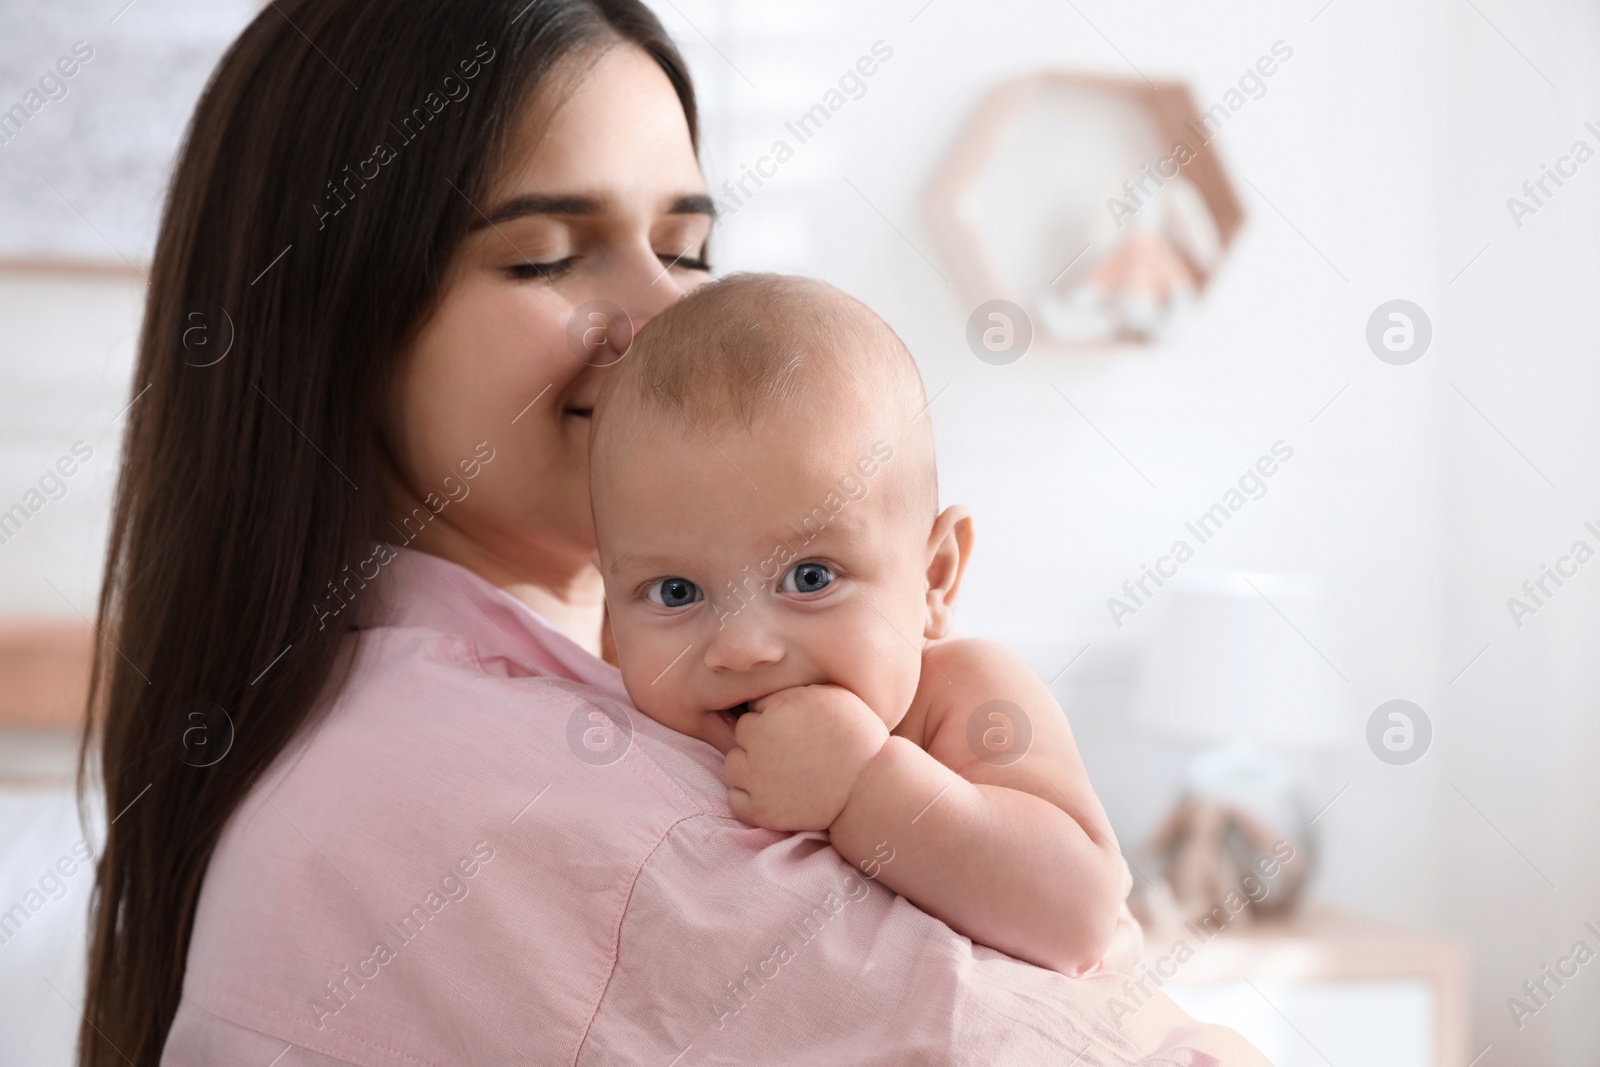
[960, 673]
[977, 655]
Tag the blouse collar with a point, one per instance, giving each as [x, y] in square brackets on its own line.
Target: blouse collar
[424, 591]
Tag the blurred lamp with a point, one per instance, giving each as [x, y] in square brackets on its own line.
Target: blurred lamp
[1228, 663]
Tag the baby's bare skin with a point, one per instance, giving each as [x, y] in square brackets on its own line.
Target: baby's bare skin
[1017, 856]
[783, 590]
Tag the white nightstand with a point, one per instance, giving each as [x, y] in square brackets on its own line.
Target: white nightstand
[1322, 988]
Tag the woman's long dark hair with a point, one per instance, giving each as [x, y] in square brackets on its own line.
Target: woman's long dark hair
[250, 481]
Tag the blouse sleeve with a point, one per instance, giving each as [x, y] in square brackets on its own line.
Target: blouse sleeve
[744, 946]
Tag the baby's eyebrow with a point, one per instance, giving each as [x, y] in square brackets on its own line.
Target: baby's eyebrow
[841, 527]
[636, 561]
[842, 530]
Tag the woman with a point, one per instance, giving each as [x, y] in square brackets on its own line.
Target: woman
[373, 798]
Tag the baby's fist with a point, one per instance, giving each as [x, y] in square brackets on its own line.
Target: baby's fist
[798, 754]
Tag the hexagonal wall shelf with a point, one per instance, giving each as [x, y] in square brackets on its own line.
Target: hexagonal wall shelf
[1096, 204]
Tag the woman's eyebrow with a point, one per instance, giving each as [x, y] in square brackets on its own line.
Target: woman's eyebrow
[572, 204]
[540, 204]
[697, 204]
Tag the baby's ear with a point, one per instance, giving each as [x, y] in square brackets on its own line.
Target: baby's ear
[949, 548]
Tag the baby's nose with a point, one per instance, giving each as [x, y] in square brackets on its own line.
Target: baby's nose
[742, 642]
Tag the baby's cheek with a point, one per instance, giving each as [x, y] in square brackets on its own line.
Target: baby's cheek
[663, 700]
[658, 703]
[650, 699]
[887, 673]
[635, 675]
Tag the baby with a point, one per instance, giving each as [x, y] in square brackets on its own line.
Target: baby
[780, 583]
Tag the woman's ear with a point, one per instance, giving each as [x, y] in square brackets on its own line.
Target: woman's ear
[949, 548]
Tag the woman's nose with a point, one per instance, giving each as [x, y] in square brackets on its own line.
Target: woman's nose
[742, 642]
[647, 287]
[600, 332]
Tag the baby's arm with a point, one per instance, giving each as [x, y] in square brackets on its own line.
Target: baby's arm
[1016, 856]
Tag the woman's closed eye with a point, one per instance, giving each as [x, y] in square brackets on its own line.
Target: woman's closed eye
[806, 578]
[550, 270]
[673, 593]
[683, 259]
[546, 271]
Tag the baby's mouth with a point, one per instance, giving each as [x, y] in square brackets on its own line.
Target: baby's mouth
[732, 714]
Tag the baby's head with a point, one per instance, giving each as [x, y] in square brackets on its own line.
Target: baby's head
[766, 505]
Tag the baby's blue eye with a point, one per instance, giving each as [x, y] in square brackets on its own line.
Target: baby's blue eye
[807, 578]
[673, 593]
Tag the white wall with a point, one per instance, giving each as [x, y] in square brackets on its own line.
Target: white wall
[1525, 737]
[66, 360]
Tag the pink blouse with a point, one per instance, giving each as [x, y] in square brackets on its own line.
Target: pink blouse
[482, 855]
